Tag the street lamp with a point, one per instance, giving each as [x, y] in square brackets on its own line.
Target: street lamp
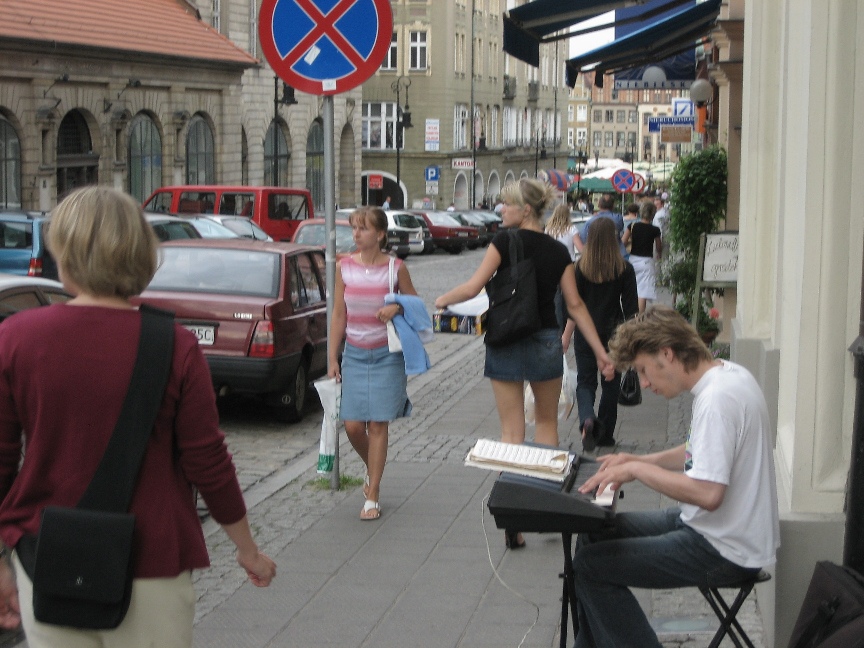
[403, 120]
[539, 154]
[287, 99]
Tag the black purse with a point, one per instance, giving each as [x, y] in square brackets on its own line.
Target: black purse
[631, 391]
[513, 310]
[81, 562]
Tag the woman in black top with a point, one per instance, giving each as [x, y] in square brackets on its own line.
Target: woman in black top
[645, 240]
[607, 283]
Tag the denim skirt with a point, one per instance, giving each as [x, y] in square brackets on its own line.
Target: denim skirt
[536, 358]
[374, 385]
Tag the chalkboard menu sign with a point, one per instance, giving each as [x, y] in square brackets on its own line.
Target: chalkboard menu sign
[720, 261]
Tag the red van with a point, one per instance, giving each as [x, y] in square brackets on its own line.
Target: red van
[277, 210]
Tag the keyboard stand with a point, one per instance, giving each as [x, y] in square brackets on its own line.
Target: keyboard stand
[568, 595]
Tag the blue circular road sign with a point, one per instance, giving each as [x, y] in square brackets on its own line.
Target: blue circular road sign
[623, 180]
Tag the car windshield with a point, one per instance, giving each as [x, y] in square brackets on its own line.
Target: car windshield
[217, 270]
[211, 229]
[314, 234]
[173, 230]
[445, 220]
[406, 220]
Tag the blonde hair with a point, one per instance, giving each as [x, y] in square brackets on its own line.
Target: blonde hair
[537, 195]
[658, 328]
[647, 210]
[374, 217]
[559, 223]
[601, 259]
[101, 242]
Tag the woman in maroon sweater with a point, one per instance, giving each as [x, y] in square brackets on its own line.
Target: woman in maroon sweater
[64, 371]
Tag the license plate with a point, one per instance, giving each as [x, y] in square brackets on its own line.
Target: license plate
[462, 234]
[206, 334]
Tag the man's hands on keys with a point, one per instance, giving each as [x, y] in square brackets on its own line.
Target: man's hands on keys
[615, 469]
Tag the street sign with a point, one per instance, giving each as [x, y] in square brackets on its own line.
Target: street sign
[375, 181]
[655, 123]
[623, 180]
[325, 47]
[675, 134]
[638, 183]
[433, 174]
[461, 163]
[432, 188]
[682, 107]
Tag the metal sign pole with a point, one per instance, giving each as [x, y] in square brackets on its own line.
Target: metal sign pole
[330, 230]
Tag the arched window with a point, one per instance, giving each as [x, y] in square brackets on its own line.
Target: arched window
[315, 164]
[145, 157]
[276, 157]
[200, 157]
[77, 163]
[10, 165]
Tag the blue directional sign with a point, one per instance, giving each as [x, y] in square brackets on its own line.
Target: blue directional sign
[654, 123]
[433, 173]
[324, 47]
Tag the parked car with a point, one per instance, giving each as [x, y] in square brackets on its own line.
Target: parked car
[448, 233]
[243, 227]
[277, 210]
[397, 237]
[259, 310]
[18, 293]
[403, 220]
[170, 228]
[313, 232]
[470, 220]
[492, 221]
[22, 244]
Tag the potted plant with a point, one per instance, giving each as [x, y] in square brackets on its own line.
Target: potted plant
[697, 205]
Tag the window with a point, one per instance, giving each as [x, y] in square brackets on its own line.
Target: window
[509, 126]
[621, 139]
[582, 113]
[614, 94]
[570, 138]
[315, 165]
[610, 116]
[379, 125]
[10, 165]
[633, 117]
[253, 28]
[276, 157]
[631, 139]
[216, 17]
[418, 50]
[570, 112]
[492, 135]
[598, 116]
[620, 116]
[478, 57]
[645, 117]
[460, 126]
[598, 137]
[200, 149]
[144, 157]
[391, 60]
[581, 137]
[609, 139]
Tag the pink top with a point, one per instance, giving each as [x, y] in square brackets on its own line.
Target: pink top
[365, 287]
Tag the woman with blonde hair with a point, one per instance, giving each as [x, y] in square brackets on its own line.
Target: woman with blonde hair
[537, 357]
[562, 230]
[64, 373]
[607, 283]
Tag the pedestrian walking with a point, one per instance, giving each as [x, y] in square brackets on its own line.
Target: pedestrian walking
[386, 205]
[562, 230]
[645, 240]
[64, 373]
[607, 283]
[374, 383]
[536, 358]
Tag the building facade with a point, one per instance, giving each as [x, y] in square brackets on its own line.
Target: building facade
[151, 93]
[478, 118]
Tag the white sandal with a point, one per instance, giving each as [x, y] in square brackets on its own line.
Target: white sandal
[371, 510]
[366, 485]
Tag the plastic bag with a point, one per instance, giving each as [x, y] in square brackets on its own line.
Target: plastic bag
[566, 400]
[330, 393]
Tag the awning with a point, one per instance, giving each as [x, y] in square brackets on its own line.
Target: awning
[656, 41]
[593, 185]
[558, 179]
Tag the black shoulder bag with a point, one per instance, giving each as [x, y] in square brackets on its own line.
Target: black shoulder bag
[513, 309]
[81, 562]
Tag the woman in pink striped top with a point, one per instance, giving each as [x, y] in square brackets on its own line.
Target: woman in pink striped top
[374, 384]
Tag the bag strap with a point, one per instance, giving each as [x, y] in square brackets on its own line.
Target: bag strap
[115, 478]
[516, 253]
[391, 273]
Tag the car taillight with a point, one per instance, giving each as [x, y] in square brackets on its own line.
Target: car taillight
[262, 341]
[35, 269]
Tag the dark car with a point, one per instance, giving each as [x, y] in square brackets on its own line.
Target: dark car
[259, 310]
[448, 233]
[313, 232]
[18, 293]
[492, 221]
[22, 244]
[468, 219]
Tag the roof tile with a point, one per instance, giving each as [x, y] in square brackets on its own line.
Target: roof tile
[166, 27]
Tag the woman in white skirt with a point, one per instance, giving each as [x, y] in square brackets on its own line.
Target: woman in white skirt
[644, 239]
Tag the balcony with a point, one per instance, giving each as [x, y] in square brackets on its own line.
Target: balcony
[533, 90]
[509, 87]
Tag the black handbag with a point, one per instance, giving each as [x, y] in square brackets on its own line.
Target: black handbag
[832, 614]
[81, 562]
[513, 310]
[631, 391]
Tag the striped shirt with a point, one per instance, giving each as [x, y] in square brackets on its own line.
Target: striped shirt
[365, 288]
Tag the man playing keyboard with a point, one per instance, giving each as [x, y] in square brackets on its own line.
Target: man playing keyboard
[726, 525]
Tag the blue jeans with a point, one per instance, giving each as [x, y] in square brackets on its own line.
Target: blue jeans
[586, 388]
[651, 550]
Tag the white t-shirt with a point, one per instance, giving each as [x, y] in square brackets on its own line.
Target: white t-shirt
[567, 239]
[729, 443]
[660, 219]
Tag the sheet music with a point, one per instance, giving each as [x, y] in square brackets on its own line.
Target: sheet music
[546, 463]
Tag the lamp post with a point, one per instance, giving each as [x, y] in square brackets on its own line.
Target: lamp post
[287, 99]
[403, 120]
[539, 154]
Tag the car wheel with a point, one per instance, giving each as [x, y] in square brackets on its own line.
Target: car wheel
[292, 412]
[455, 249]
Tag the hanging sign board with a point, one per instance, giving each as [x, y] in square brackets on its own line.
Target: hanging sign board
[325, 47]
[720, 265]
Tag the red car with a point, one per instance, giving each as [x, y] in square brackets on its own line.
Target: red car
[448, 233]
[313, 232]
[259, 310]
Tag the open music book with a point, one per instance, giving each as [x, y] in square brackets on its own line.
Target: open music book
[546, 463]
